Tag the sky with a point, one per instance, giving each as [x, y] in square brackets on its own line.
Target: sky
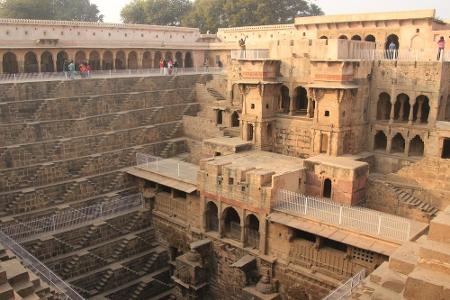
[111, 8]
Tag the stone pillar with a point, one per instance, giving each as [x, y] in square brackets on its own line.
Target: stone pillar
[219, 220]
[407, 143]
[308, 109]
[389, 144]
[419, 109]
[243, 232]
[391, 115]
[291, 102]
[411, 116]
[140, 57]
[262, 236]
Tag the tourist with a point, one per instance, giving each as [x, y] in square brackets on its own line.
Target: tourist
[170, 66]
[175, 67]
[165, 69]
[206, 64]
[71, 68]
[441, 47]
[82, 69]
[65, 68]
[161, 66]
[392, 50]
[88, 70]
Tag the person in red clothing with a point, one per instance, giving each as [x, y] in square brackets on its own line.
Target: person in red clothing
[441, 47]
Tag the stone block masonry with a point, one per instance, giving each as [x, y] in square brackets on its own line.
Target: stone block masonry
[66, 144]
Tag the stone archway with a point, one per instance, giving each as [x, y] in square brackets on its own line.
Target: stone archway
[370, 38]
[47, 63]
[107, 61]
[235, 119]
[179, 59]
[120, 61]
[30, 63]
[356, 38]
[398, 144]
[301, 101]
[168, 56]
[380, 141]
[285, 99]
[80, 58]
[416, 146]
[384, 106]
[188, 63]
[61, 58]
[392, 38]
[343, 37]
[10, 64]
[421, 109]
[211, 217]
[94, 60]
[252, 231]
[232, 224]
[157, 59]
[327, 188]
[402, 107]
[147, 60]
[132, 60]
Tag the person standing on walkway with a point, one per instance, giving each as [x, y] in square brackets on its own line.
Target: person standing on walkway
[175, 67]
[65, 68]
[71, 68]
[161, 67]
[392, 50]
[441, 48]
[170, 66]
[165, 67]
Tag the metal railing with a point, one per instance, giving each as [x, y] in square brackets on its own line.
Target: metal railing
[168, 167]
[72, 217]
[250, 54]
[356, 218]
[37, 267]
[107, 74]
[345, 290]
[413, 55]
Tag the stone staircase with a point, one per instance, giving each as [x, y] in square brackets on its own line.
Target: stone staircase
[412, 201]
[213, 92]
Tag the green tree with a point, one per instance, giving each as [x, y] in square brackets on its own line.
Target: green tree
[71, 10]
[155, 12]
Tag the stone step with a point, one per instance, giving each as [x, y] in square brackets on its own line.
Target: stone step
[426, 284]
[388, 278]
[405, 258]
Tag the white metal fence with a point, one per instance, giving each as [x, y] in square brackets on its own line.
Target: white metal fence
[250, 54]
[413, 55]
[108, 74]
[345, 290]
[169, 167]
[34, 265]
[356, 218]
[72, 217]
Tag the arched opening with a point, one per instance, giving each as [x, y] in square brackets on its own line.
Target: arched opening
[250, 132]
[384, 106]
[168, 56]
[356, 38]
[416, 146]
[47, 62]
[327, 186]
[188, 63]
[211, 217]
[380, 141]
[370, 38]
[323, 37]
[108, 62]
[10, 65]
[80, 58]
[147, 60]
[219, 119]
[252, 231]
[179, 59]
[401, 108]
[343, 37]
[391, 46]
[156, 59]
[31, 64]
[235, 119]
[94, 60]
[323, 143]
[61, 59]
[132, 60]
[301, 100]
[232, 224]
[421, 109]
[120, 60]
[398, 144]
[285, 99]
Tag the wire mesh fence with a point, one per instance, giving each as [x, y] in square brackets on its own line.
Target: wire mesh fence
[356, 218]
[345, 290]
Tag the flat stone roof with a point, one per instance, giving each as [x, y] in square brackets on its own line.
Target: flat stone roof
[226, 141]
[260, 161]
[340, 162]
[367, 17]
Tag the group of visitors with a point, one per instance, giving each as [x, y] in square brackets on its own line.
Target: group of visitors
[168, 67]
[392, 49]
[70, 69]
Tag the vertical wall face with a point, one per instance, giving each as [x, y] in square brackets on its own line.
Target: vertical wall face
[65, 145]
